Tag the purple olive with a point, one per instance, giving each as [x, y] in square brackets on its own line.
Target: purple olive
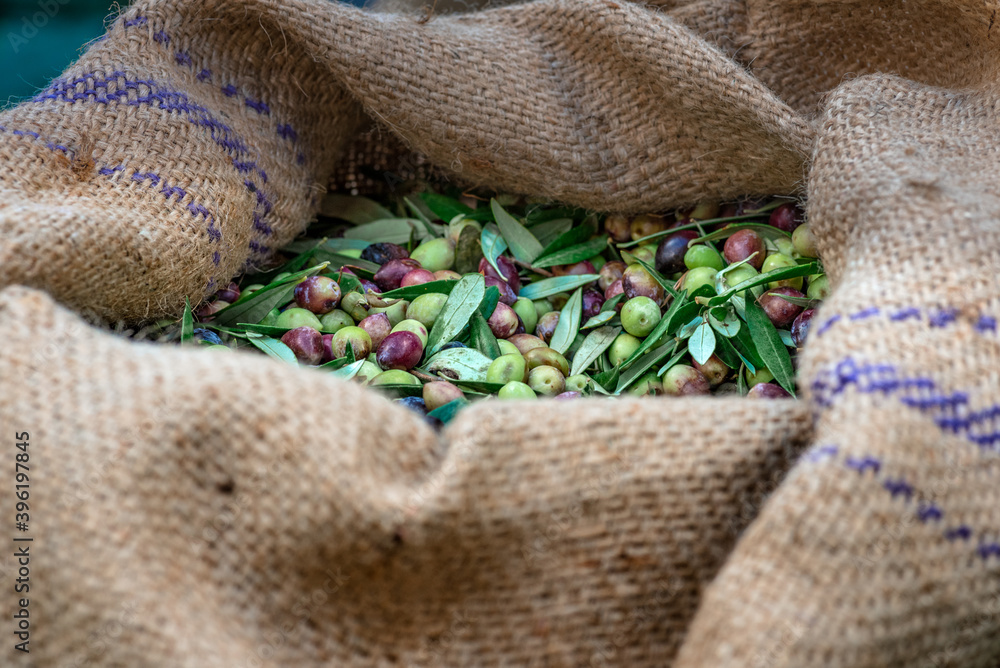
[593, 300]
[392, 272]
[741, 245]
[507, 295]
[637, 282]
[565, 396]
[767, 391]
[781, 313]
[328, 355]
[670, 252]
[416, 277]
[230, 293]
[508, 268]
[610, 272]
[378, 327]
[576, 269]
[546, 326]
[800, 327]
[503, 323]
[400, 350]
[369, 287]
[306, 343]
[319, 294]
[615, 288]
[383, 252]
[787, 217]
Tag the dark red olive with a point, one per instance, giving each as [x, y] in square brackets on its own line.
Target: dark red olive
[306, 343]
[741, 245]
[780, 312]
[400, 350]
[593, 300]
[507, 295]
[767, 391]
[800, 327]
[508, 268]
[392, 272]
[787, 217]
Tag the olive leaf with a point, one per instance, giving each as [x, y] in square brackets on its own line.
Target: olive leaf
[549, 232]
[348, 371]
[786, 338]
[553, 286]
[592, 347]
[481, 337]
[463, 301]
[644, 364]
[772, 351]
[610, 304]
[569, 323]
[409, 292]
[573, 254]
[687, 330]
[602, 318]
[353, 209]
[465, 364]
[420, 210]
[672, 361]
[724, 321]
[664, 282]
[522, 242]
[776, 275]
[702, 343]
[274, 348]
[447, 412]
[187, 322]
[388, 230]
[445, 208]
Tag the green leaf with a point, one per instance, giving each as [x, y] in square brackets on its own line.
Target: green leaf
[741, 382]
[468, 251]
[447, 412]
[610, 304]
[464, 299]
[465, 364]
[725, 351]
[786, 338]
[549, 232]
[672, 361]
[553, 286]
[776, 275]
[577, 253]
[489, 303]
[765, 230]
[605, 382]
[255, 306]
[644, 364]
[569, 323]
[187, 322]
[522, 243]
[747, 349]
[348, 371]
[664, 282]
[445, 208]
[417, 209]
[388, 230]
[493, 245]
[593, 346]
[725, 323]
[702, 343]
[353, 209]
[481, 336]
[274, 348]
[409, 292]
[772, 351]
[688, 328]
[602, 318]
[481, 387]
[570, 237]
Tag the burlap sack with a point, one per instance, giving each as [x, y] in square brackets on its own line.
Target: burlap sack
[191, 508]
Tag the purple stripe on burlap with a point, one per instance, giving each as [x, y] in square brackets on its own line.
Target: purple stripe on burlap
[927, 511]
[936, 318]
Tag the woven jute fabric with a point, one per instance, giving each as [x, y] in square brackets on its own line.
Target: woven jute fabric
[197, 508]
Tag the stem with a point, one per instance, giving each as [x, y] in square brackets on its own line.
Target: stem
[526, 265]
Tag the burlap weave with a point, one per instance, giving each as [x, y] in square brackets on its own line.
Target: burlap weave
[201, 509]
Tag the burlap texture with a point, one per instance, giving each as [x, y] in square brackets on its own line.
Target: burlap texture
[194, 508]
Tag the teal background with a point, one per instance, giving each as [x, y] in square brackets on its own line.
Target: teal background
[63, 28]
